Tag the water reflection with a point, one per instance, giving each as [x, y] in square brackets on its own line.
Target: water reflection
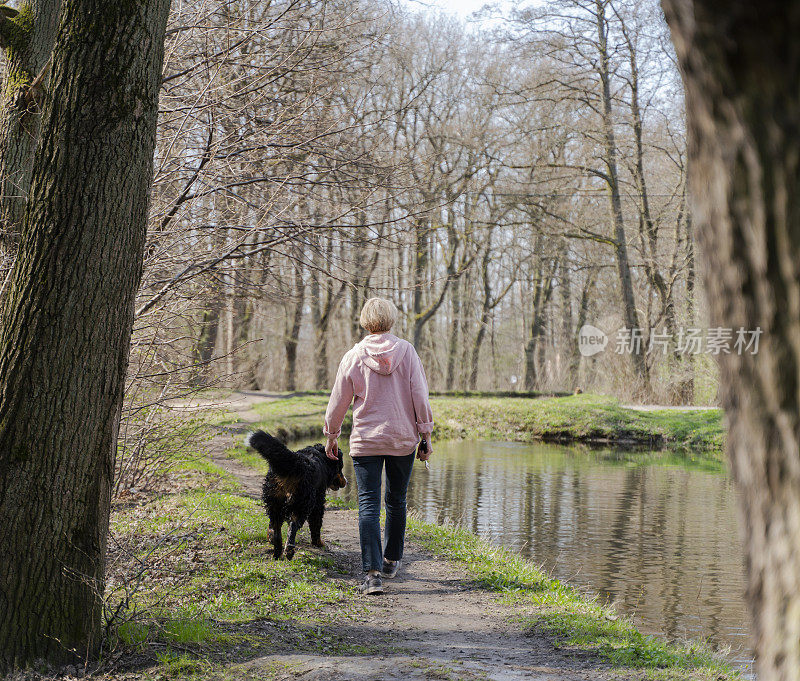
[655, 534]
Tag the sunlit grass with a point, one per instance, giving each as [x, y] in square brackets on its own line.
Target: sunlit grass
[177, 665]
[248, 456]
[210, 571]
[594, 418]
[576, 417]
[296, 418]
[225, 560]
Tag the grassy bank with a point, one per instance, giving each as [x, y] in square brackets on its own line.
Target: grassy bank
[592, 419]
[192, 588]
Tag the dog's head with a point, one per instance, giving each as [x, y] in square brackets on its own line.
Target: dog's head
[336, 479]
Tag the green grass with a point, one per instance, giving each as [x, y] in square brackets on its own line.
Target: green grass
[133, 633]
[194, 628]
[574, 418]
[210, 576]
[568, 617]
[248, 456]
[220, 566]
[181, 665]
[297, 418]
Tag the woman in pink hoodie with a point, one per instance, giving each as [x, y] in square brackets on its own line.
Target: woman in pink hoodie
[383, 378]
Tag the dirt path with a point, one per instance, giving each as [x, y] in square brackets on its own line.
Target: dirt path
[240, 402]
[432, 623]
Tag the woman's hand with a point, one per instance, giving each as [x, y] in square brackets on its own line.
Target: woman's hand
[332, 450]
[424, 456]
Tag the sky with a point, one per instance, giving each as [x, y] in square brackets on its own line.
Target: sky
[460, 7]
[464, 8]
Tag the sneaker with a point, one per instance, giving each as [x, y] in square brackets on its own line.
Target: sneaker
[390, 568]
[373, 584]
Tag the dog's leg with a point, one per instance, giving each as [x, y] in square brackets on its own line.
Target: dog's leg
[290, 540]
[315, 525]
[275, 522]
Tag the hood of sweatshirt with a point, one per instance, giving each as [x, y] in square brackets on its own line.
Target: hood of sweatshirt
[382, 352]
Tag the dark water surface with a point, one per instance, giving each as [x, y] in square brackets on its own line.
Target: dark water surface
[654, 533]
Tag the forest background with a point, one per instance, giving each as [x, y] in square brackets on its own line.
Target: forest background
[505, 181]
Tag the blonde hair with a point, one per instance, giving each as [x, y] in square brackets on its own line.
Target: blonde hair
[378, 315]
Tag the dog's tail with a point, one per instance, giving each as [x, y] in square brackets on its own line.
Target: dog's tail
[281, 459]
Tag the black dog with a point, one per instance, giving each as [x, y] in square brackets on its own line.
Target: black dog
[294, 488]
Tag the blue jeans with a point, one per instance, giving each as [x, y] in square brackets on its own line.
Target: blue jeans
[368, 471]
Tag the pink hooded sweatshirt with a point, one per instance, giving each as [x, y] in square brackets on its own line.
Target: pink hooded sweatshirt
[383, 377]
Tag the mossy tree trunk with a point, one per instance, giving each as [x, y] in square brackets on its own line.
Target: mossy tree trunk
[740, 63]
[66, 325]
[27, 37]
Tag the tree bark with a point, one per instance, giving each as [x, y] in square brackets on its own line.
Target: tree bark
[476, 346]
[685, 364]
[740, 63]
[66, 326]
[488, 304]
[323, 311]
[28, 39]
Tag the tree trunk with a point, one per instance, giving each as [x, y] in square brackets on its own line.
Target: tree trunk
[567, 329]
[67, 324]
[206, 341]
[316, 321]
[229, 335]
[321, 378]
[542, 289]
[28, 40]
[421, 233]
[583, 314]
[476, 348]
[691, 278]
[486, 308]
[293, 332]
[452, 346]
[323, 312]
[740, 68]
[684, 389]
[612, 179]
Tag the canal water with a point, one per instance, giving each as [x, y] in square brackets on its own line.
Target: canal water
[654, 533]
